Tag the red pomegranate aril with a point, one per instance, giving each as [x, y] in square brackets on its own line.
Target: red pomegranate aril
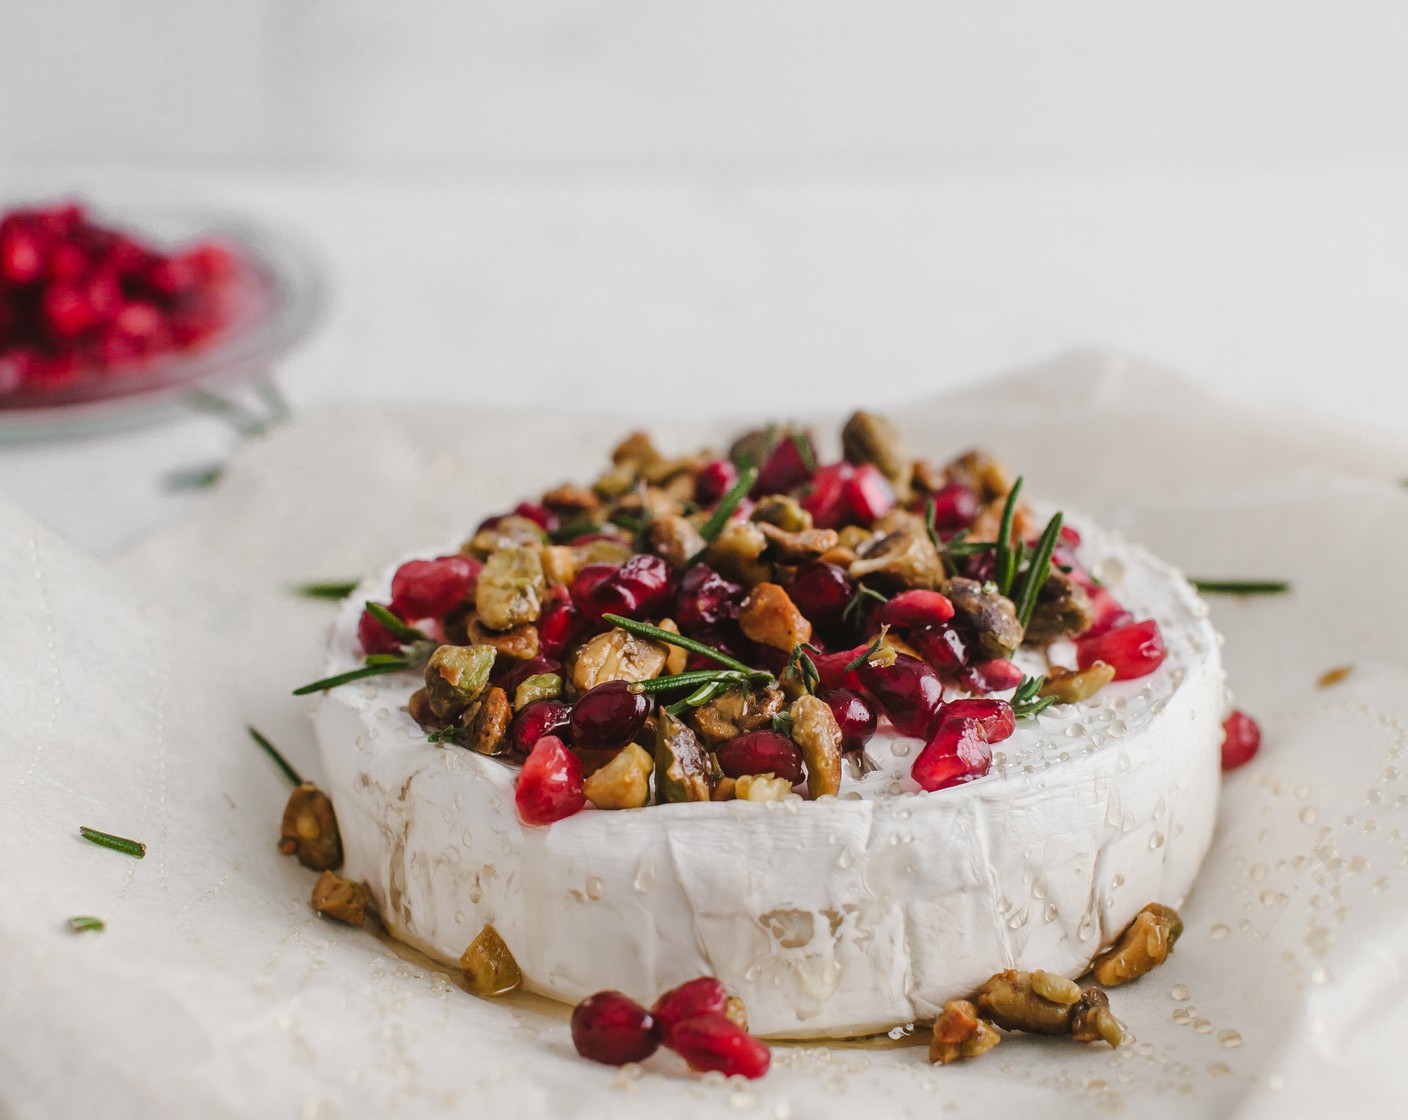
[374, 637]
[855, 716]
[832, 671]
[640, 588]
[1106, 613]
[541, 516]
[786, 467]
[942, 647]
[433, 588]
[704, 996]
[609, 715]
[869, 494]
[826, 501]
[67, 313]
[955, 506]
[1133, 651]
[540, 718]
[1241, 739]
[705, 599]
[559, 626]
[586, 581]
[761, 752]
[21, 252]
[714, 1042]
[908, 691]
[997, 675]
[1070, 536]
[613, 1029]
[550, 783]
[958, 752]
[713, 480]
[993, 716]
[821, 592]
[917, 608]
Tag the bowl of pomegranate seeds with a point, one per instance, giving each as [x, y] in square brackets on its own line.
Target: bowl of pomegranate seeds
[105, 316]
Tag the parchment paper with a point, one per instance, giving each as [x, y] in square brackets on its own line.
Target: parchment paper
[214, 991]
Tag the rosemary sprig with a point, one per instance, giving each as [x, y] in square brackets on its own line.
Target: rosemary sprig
[1038, 570]
[699, 697]
[86, 923]
[804, 451]
[654, 633]
[571, 530]
[727, 504]
[391, 664]
[691, 679]
[960, 545]
[930, 511]
[451, 734]
[1242, 586]
[195, 478]
[395, 626]
[134, 848]
[869, 652]
[273, 752]
[806, 668]
[1008, 560]
[782, 723]
[333, 589]
[858, 600]
[1026, 702]
[744, 460]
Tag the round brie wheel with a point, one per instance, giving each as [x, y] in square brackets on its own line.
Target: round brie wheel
[839, 917]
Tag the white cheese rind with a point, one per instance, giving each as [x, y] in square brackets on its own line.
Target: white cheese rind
[840, 917]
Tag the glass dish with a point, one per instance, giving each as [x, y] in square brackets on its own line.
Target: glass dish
[287, 304]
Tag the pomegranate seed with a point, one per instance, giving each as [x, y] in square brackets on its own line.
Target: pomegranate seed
[559, 626]
[726, 638]
[827, 501]
[585, 582]
[997, 675]
[713, 480]
[374, 637]
[869, 494]
[433, 588]
[786, 467]
[994, 716]
[67, 313]
[1106, 613]
[609, 715]
[713, 1042]
[917, 608]
[640, 588]
[1070, 536]
[908, 691]
[1241, 739]
[705, 599]
[958, 752]
[955, 506]
[541, 516]
[613, 1029]
[831, 669]
[854, 716]
[540, 718]
[704, 996]
[550, 783]
[761, 752]
[21, 252]
[821, 592]
[1135, 650]
[942, 647]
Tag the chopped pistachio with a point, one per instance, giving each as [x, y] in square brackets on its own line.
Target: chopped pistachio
[510, 588]
[959, 1033]
[761, 787]
[868, 438]
[540, 686]
[455, 676]
[1011, 999]
[801, 547]
[518, 644]
[771, 618]
[624, 782]
[675, 539]
[489, 966]
[601, 551]
[617, 656]
[1143, 946]
[683, 771]
[309, 829]
[344, 899]
[901, 559]
[508, 532]
[737, 553]
[1092, 1019]
[559, 563]
[487, 721]
[1055, 987]
[724, 790]
[732, 713]
[782, 512]
[989, 614]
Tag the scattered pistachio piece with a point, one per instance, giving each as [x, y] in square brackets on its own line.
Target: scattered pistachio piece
[617, 656]
[455, 676]
[309, 829]
[1334, 676]
[1055, 987]
[1071, 685]
[510, 588]
[540, 686]
[489, 965]
[959, 1033]
[1092, 1019]
[761, 787]
[344, 899]
[683, 771]
[816, 732]
[519, 643]
[1143, 946]
[624, 782]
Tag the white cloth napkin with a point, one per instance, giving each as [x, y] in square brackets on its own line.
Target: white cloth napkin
[214, 990]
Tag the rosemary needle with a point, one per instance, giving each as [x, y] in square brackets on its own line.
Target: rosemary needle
[134, 848]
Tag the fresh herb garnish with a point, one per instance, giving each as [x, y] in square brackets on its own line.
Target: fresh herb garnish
[331, 590]
[195, 478]
[727, 504]
[655, 633]
[806, 668]
[930, 512]
[87, 924]
[858, 600]
[451, 734]
[396, 627]
[1038, 570]
[699, 697]
[692, 679]
[1026, 702]
[571, 530]
[273, 752]
[1242, 586]
[134, 848]
[869, 652]
[1008, 558]
[391, 664]
[804, 451]
[960, 545]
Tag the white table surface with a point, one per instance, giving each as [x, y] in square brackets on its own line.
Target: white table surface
[705, 294]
